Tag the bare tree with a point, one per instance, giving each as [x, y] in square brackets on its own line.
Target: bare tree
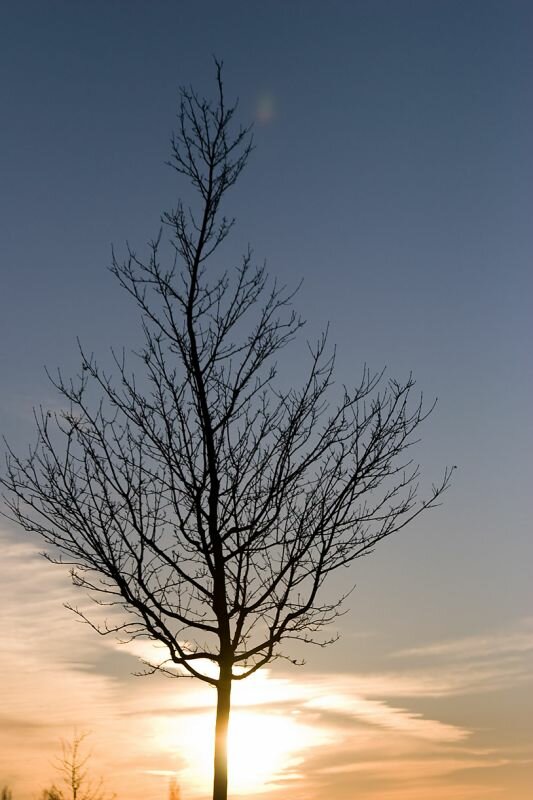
[72, 766]
[174, 792]
[199, 496]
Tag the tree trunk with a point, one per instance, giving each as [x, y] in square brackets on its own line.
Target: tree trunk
[220, 779]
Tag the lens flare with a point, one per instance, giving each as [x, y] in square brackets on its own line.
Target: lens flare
[266, 109]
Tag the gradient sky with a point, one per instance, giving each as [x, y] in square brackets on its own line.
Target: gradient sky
[393, 172]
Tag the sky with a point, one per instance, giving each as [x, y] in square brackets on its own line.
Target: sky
[393, 174]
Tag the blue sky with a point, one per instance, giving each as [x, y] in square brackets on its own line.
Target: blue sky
[392, 172]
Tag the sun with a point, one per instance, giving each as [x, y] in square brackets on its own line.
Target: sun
[266, 746]
[263, 748]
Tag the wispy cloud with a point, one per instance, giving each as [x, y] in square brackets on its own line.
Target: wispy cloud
[498, 643]
[48, 687]
[339, 729]
[400, 769]
[380, 713]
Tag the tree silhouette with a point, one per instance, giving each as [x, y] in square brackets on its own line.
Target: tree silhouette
[174, 792]
[77, 783]
[198, 495]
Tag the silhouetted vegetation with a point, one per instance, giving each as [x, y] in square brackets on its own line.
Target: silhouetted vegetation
[75, 779]
[174, 792]
[199, 495]
[76, 783]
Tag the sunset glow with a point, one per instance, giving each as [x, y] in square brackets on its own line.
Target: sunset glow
[236, 212]
[262, 748]
[290, 731]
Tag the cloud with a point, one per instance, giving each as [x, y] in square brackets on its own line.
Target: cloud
[400, 769]
[380, 713]
[441, 679]
[343, 729]
[499, 643]
[335, 698]
[47, 689]
[32, 594]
